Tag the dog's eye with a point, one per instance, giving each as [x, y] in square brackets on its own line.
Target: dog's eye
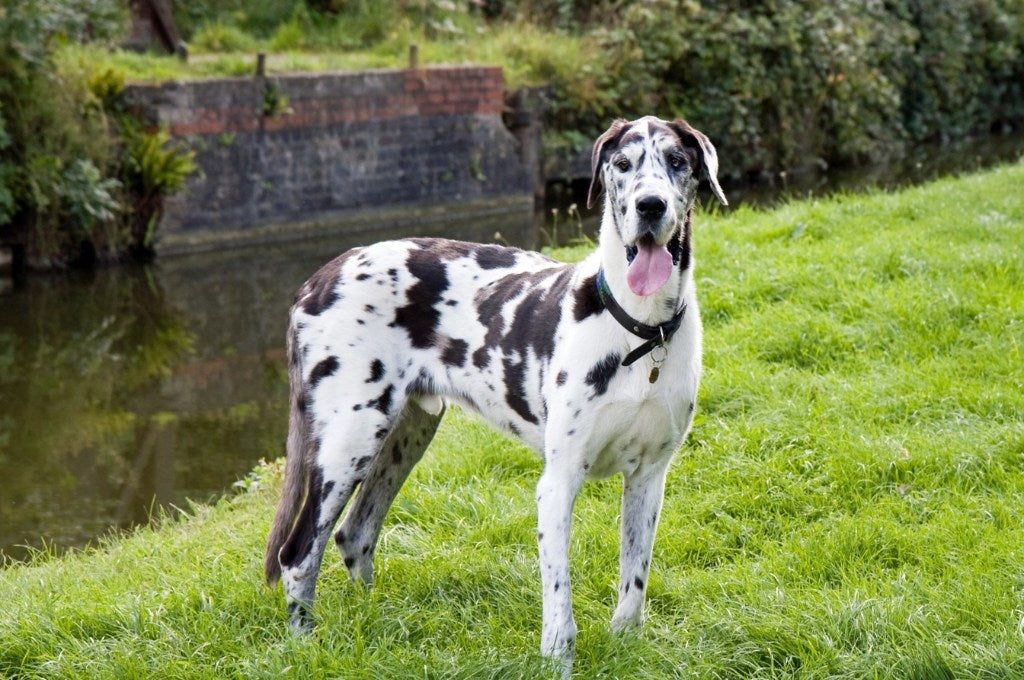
[622, 164]
[676, 161]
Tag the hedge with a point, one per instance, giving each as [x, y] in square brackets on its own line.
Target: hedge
[783, 83]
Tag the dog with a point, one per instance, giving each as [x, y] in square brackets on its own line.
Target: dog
[595, 365]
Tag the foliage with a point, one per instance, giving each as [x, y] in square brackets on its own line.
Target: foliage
[55, 157]
[776, 84]
[63, 166]
[847, 506]
[87, 197]
[783, 83]
[154, 167]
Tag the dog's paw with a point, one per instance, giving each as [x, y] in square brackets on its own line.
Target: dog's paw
[624, 621]
[359, 562]
[558, 643]
[300, 618]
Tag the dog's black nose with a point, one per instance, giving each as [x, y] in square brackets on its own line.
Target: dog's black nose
[650, 207]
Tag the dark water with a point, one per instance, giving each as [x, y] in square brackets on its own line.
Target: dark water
[128, 389]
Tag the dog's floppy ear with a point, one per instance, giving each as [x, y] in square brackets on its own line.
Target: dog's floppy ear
[695, 138]
[608, 139]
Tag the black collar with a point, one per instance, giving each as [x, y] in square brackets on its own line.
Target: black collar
[654, 335]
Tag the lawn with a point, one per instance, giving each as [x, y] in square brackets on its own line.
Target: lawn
[850, 502]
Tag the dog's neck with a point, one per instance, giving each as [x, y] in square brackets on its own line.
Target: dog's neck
[650, 309]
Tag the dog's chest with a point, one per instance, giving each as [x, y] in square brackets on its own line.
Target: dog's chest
[641, 424]
[629, 435]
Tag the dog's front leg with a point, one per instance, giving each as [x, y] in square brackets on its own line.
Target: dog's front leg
[556, 494]
[642, 494]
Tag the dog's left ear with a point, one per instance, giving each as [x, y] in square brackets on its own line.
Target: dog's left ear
[609, 138]
[695, 138]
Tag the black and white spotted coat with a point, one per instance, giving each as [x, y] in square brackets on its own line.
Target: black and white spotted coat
[384, 335]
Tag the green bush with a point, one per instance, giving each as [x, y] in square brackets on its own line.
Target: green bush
[57, 190]
[785, 82]
[777, 84]
[154, 166]
[69, 182]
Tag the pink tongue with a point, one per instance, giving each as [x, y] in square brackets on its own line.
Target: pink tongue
[650, 269]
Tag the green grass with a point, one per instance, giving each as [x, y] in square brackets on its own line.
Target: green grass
[527, 54]
[849, 504]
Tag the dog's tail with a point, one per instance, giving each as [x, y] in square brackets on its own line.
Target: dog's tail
[296, 466]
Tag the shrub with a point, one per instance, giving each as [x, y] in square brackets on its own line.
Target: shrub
[781, 83]
[154, 167]
[57, 164]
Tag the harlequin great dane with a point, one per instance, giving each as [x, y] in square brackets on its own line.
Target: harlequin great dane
[595, 365]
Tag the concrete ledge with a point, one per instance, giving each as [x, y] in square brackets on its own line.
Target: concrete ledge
[510, 217]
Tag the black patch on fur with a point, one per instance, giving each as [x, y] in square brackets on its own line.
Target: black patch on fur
[686, 249]
[561, 378]
[361, 463]
[515, 396]
[489, 302]
[300, 541]
[586, 301]
[420, 317]
[362, 277]
[638, 582]
[495, 257]
[383, 402]
[324, 369]
[320, 291]
[369, 308]
[536, 318]
[455, 353]
[376, 371]
[396, 455]
[381, 433]
[481, 357]
[602, 373]
[446, 249]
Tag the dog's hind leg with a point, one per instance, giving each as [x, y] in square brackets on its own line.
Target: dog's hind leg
[341, 455]
[642, 494]
[403, 448]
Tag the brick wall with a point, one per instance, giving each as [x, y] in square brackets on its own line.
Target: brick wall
[315, 154]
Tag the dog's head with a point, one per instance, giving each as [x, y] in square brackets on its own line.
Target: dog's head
[649, 169]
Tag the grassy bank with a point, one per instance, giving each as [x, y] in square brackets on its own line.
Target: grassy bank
[850, 503]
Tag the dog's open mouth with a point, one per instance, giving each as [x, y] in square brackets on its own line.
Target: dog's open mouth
[650, 266]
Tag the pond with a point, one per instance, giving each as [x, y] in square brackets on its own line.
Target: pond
[129, 390]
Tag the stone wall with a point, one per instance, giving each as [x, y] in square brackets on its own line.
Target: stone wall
[410, 151]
